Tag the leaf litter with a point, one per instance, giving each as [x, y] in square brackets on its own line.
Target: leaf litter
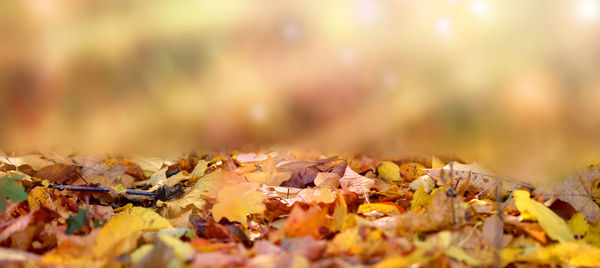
[288, 209]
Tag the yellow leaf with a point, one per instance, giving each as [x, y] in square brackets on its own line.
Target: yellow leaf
[183, 251]
[39, 197]
[174, 208]
[340, 212]
[352, 242]
[555, 227]
[414, 170]
[420, 199]
[119, 189]
[234, 202]
[460, 255]
[388, 171]
[140, 253]
[436, 162]
[211, 183]
[433, 247]
[577, 253]
[127, 206]
[385, 209]
[578, 225]
[120, 234]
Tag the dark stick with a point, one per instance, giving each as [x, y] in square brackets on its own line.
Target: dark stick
[98, 189]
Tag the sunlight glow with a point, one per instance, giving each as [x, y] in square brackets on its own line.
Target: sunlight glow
[587, 9]
[443, 26]
[479, 8]
[367, 11]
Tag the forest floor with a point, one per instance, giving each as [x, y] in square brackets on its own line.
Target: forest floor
[288, 209]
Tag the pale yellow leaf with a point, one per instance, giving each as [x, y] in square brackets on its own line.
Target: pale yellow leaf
[555, 227]
[120, 234]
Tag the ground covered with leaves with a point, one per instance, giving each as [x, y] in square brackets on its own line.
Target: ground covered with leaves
[288, 209]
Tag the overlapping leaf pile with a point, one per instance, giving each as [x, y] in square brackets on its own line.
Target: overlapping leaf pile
[283, 209]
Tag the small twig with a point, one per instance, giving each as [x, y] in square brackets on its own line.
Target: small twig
[469, 235]
[506, 203]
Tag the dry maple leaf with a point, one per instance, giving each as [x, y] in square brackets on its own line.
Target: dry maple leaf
[579, 190]
[303, 222]
[234, 202]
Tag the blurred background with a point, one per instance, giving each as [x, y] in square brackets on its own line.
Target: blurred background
[512, 84]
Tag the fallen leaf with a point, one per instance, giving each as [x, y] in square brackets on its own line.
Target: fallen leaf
[78, 221]
[200, 169]
[176, 207]
[555, 227]
[17, 258]
[425, 180]
[328, 180]
[318, 195]
[34, 161]
[383, 208]
[302, 178]
[58, 173]
[493, 230]
[578, 225]
[250, 157]
[120, 234]
[412, 170]
[234, 202]
[304, 221]
[480, 179]
[432, 248]
[16, 226]
[420, 199]
[436, 162]
[353, 182]
[9, 189]
[388, 171]
[360, 240]
[460, 255]
[159, 176]
[579, 190]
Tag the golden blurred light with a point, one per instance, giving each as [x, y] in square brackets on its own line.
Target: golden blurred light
[493, 81]
[479, 8]
[587, 10]
[443, 26]
[367, 12]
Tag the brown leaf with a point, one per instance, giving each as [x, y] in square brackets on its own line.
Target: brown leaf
[131, 168]
[493, 229]
[59, 173]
